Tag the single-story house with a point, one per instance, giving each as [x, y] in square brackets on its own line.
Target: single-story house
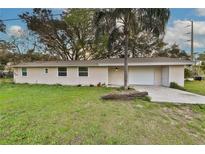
[142, 71]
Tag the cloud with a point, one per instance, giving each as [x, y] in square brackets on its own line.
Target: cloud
[16, 31]
[200, 11]
[176, 33]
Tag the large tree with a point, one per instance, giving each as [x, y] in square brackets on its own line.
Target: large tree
[79, 23]
[20, 46]
[68, 36]
[24, 41]
[172, 51]
[128, 23]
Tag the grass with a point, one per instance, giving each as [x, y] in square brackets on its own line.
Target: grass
[195, 86]
[42, 114]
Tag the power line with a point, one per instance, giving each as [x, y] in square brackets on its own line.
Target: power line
[5, 20]
[14, 19]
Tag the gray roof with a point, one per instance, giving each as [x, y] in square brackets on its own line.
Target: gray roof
[108, 62]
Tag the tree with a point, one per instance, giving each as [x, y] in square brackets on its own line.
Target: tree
[3, 47]
[3, 54]
[50, 31]
[20, 46]
[106, 44]
[172, 51]
[68, 36]
[7, 54]
[79, 23]
[201, 57]
[130, 21]
[25, 41]
[145, 45]
[110, 44]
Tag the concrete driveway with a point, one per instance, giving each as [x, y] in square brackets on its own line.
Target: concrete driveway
[165, 94]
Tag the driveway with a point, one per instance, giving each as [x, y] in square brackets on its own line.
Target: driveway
[165, 94]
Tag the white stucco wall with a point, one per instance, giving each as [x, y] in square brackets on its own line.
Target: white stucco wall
[115, 77]
[162, 75]
[158, 75]
[172, 74]
[176, 74]
[165, 76]
[37, 75]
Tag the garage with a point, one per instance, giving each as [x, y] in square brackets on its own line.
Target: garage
[137, 76]
[141, 76]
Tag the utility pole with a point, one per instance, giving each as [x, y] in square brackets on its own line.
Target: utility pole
[194, 69]
[192, 38]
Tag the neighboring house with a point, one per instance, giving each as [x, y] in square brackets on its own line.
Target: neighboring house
[142, 71]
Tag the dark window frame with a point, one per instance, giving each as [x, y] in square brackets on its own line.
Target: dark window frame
[62, 72]
[24, 71]
[83, 73]
[46, 70]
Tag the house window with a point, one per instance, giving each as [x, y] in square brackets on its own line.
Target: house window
[24, 71]
[46, 70]
[83, 71]
[62, 71]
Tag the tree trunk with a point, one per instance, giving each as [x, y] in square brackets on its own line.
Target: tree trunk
[125, 62]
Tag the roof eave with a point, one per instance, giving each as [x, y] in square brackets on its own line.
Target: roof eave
[104, 64]
[149, 64]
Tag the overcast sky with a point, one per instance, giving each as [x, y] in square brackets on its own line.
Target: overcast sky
[175, 32]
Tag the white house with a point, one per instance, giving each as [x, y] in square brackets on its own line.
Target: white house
[142, 71]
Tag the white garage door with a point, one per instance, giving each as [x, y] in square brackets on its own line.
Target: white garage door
[141, 76]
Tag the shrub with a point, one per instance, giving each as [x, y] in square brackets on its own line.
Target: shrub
[99, 84]
[79, 85]
[188, 73]
[176, 86]
[121, 88]
[91, 85]
[58, 84]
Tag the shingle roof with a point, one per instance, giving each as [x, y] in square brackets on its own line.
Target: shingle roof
[109, 62]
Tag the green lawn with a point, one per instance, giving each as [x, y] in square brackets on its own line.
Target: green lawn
[195, 86]
[40, 114]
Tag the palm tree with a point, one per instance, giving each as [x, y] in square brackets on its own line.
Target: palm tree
[129, 21]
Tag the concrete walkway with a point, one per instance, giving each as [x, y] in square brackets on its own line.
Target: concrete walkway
[165, 94]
